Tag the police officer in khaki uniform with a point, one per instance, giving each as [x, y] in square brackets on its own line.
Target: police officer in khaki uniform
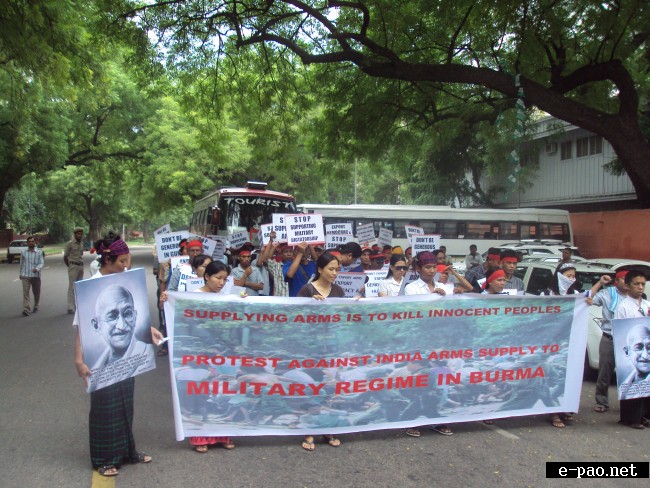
[72, 257]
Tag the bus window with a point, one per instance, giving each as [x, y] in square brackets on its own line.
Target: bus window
[430, 227]
[477, 230]
[448, 229]
[528, 231]
[508, 230]
[554, 231]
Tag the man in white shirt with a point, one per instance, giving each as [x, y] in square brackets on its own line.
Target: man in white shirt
[31, 264]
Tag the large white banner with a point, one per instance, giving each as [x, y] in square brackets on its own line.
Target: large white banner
[296, 366]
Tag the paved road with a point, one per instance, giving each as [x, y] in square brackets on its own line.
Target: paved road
[44, 434]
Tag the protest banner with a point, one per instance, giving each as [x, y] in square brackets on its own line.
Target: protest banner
[632, 357]
[366, 233]
[280, 228]
[165, 229]
[332, 241]
[374, 277]
[305, 228]
[385, 237]
[305, 367]
[167, 244]
[238, 239]
[352, 283]
[114, 302]
[425, 242]
[343, 228]
[412, 230]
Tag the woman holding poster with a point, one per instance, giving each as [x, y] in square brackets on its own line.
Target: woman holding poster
[111, 408]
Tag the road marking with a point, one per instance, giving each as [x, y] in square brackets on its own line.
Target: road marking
[501, 431]
[100, 481]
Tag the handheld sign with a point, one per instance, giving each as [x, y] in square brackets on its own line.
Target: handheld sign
[425, 242]
[165, 229]
[177, 260]
[194, 284]
[265, 233]
[167, 244]
[352, 283]
[186, 273]
[344, 228]
[372, 285]
[412, 230]
[280, 227]
[385, 237]
[305, 228]
[219, 248]
[336, 240]
[238, 239]
[366, 233]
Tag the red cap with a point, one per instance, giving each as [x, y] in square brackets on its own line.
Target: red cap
[621, 274]
[499, 273]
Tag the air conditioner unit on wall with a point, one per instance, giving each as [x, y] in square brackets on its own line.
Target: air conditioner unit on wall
[551, 148]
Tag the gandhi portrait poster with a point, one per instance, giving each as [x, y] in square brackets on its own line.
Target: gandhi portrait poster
[632, 355]
[113, 315]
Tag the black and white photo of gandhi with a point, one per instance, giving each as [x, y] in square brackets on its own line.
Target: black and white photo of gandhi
[115, 320]
[637, 352]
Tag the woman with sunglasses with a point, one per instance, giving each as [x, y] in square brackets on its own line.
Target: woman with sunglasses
[392, 284]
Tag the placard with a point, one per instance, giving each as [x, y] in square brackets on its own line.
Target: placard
[114, 302]
[352, 283]
[305, 228]
[342, 228]
[366, 233]
[385, 237]
[165, 229]
[374, 278]
[280, 227]
[265, 233]
[412, 230]
[219, 248]
[238, 239]
[425, 242]
[167, 245]
[186, 273]
[332, 241]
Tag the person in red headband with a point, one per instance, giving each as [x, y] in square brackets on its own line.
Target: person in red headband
[509, 262]
[246, 275]
[477, 273]
[495, 282]
[608, 299]
[194, 247]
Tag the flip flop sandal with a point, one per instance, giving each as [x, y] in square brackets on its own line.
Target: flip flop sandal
[228, 445]
[141, 457]
[332, 441]
[201, 449]
[557, 423]
[600, 408]
[308, 444]
[442, 430]
[413, 432]
[108, 471]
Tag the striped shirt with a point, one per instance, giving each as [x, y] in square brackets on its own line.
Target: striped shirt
[30, 260]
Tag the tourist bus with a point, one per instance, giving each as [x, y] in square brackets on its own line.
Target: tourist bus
[230, 210]
[457, 227]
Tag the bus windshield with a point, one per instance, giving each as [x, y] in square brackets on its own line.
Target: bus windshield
[249, 212]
